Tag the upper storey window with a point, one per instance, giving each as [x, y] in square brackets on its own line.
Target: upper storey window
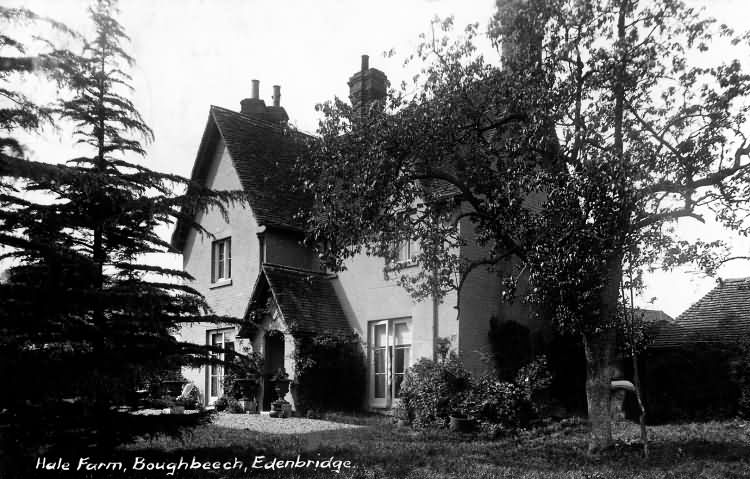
[404, 254]
[407, 251]
[221, 260]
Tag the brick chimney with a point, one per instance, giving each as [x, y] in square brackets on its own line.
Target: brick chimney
[256, 108]
[368, 84]
[524, 51]
[253, 106]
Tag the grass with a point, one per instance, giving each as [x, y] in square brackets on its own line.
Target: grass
[381, 449]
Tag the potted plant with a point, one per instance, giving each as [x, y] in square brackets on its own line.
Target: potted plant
[190, 397]
[280, 407]
[401, 414]
[280, 381]
[460, 419]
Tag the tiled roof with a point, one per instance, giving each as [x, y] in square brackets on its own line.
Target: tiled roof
[722, 315]
[263, 154]
[306, 299]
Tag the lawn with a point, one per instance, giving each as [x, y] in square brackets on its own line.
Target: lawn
[377, 448]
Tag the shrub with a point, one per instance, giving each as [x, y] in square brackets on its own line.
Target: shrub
[243, 366]
[330, 372]
[741, 377]
[499, 402]
[431, 391]
[234, 406]
[692, 382]
[534, 379]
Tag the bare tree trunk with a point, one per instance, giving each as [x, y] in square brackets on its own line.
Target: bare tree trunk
[600, 350]
[639, 397]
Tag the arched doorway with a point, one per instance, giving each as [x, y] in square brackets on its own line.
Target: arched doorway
[273, 360]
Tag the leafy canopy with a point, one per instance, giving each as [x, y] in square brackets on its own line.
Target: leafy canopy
[566, 160]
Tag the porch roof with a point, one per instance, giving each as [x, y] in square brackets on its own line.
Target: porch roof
[306, 299]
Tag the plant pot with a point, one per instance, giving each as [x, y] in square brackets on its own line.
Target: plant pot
[281, 386]
[461, 424]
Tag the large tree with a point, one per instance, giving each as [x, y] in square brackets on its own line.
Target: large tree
[83, 316]
[572, 156]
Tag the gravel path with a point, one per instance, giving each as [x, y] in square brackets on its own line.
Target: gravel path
[271, 425]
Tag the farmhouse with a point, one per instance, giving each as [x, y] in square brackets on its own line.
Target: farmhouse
[256, 267]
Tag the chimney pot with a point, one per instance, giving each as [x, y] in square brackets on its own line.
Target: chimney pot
[365, 63]
[276, 95]
[256, 89]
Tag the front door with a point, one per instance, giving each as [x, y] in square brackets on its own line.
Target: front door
[389, 347]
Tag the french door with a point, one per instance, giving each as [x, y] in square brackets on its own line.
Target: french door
[223, 339]
[389, 345]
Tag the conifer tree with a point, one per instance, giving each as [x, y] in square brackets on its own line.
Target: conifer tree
[84, 318]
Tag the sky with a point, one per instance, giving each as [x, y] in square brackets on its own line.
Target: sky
[191, 54]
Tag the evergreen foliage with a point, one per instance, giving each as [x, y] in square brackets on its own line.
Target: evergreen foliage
[330, 372]
[84, 319]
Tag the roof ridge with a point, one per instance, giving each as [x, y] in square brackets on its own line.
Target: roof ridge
[265, 123]
[250, 119]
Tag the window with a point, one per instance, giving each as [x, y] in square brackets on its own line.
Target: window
[221, 260]
[225, 340]
[405, 253]
[390, 356]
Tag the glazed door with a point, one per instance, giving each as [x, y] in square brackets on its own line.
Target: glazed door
[225, 340]
[379, 364]
[390, 356]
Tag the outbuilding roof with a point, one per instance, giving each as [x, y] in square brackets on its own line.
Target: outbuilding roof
[721, 316]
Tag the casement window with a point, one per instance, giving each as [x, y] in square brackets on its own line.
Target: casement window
[405, 253]
[221, 260]
[389, 350]
[223, 339]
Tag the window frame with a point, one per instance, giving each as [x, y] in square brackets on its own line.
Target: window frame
[395, 262]
[221, 261]
[228, 336]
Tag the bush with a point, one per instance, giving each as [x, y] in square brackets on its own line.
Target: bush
[741, 377]
[692, 382]
[432, 391]
[234, 406]
[534, 379]
[243, 366]
[330, 372]
[499, 402]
